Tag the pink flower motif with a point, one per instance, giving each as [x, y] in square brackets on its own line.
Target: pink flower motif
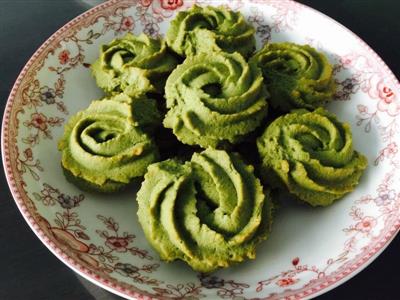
[171, 4]
[390, 150]
[165, 8]
[286, 281]
[366, 224]
[295, 261]
[146, 2]
[39, 121]
[346, 61]
[118, 244]
[63, 57]
[356, 61]
[387, 102]
[362, 109]
[127, 23]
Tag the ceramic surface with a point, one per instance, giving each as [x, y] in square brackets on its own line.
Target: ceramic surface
[310, 250]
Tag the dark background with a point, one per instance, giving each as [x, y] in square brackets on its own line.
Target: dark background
[30, 271]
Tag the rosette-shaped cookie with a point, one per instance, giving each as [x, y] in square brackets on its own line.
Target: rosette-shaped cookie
[297, 76]
[214, 98]
[204, 29]
[103, 149]
[133, 64]
[311, 153]
[210, 212]
[142, 110]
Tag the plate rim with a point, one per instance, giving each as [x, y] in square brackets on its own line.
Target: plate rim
[311, 292]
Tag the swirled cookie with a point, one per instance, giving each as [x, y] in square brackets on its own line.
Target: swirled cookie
[141, 110]
[210, 212]
[133, 64]
[104, 149]
[311, 153]
[205, 29]
[214, 99]
[297, 76]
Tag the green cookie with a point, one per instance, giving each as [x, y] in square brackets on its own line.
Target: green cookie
[311, 154]
[205, 29]
[134, 65]
[214, 99]
[103, 147]
[297, 76]
[210, 212]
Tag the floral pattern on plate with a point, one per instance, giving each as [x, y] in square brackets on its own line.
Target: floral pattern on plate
[99, 237]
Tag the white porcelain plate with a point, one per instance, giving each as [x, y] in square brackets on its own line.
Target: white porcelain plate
[310, 250]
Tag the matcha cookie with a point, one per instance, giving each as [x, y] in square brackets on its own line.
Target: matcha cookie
[311, 153]
[214, 99]
[133, 64]
[210, 212]
[297, 76]
[141, 110]
[205, 29]
[103, 148]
